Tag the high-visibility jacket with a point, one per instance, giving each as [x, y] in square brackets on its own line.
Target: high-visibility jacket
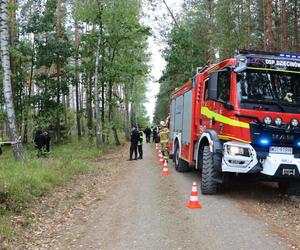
[141, 138]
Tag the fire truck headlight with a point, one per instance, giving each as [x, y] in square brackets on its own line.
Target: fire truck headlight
[294, 122]
[268, 120]
[238, 151]
[278, 121]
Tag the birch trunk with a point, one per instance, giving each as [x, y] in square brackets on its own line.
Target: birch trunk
[5, 60]
[76, 45]
[97, 99]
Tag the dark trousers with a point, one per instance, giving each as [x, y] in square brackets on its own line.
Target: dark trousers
[140, 147]
[133, 148]
[47, 144]
[147, 138]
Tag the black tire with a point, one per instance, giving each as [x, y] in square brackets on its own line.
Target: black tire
[208, 184]
[180, 165]
[282, 186]
[293, 188]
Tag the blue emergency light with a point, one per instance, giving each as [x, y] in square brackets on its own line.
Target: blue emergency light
[279, 54]
[293, 56]
[264, 141]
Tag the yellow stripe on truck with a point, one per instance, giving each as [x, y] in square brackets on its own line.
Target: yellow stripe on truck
[228, 137]
[224, 119]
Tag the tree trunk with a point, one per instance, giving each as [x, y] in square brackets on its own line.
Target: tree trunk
[5, 60]
[296, 27]
[127, 117]
[277, 27]
[111, 112]
[103, 106]
[76, 45]
[12, 22]
[97, 99]
[269, 40]
[249, 23]
[89, 106]
[211, 51]
[27, 108]
[285, 46]
[264, 15]
[58, 39]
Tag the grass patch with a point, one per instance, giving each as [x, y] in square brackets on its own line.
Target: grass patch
[22, 183]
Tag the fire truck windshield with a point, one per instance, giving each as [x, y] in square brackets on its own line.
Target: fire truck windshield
[266, 87]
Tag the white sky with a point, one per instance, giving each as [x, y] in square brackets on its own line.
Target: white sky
[157, 63]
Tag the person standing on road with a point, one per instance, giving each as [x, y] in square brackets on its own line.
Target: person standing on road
[140, 143]
[134, 138]
[154, 134]
[164, 138]
[147, 132]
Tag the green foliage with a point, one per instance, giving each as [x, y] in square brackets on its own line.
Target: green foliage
[23, 183]
[215, 30]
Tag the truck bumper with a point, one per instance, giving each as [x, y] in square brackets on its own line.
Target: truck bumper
[275, 165]
[239, 163]
[281, 165]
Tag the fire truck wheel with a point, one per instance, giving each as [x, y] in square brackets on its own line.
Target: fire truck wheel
[293, 188]
[180, 165]
[282, 186]
[208, 185]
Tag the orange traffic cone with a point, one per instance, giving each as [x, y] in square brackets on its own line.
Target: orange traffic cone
[156, 147]
[161, 160]
[159, 156]
[193, 202]
[165, 169]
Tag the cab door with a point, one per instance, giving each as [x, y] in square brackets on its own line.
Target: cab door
[216, 100]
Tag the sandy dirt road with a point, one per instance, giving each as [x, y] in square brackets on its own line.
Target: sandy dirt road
[144, 210]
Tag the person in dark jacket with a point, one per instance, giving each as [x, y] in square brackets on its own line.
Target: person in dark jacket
[39, 140]
[140, 144]
[147, 132]
[47, 139]
[135, 136]
[155, 134]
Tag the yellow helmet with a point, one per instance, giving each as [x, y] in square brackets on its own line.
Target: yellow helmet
[162, 123]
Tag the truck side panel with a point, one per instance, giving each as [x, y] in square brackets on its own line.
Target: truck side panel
[172, 120]
[178, 114]
[187, 119]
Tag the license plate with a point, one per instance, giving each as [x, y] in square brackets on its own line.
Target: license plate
[281, 150]
[288, 172]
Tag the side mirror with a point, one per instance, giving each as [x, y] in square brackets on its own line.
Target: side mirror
[212, 86]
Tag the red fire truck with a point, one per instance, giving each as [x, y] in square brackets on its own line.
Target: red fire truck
[239, 116]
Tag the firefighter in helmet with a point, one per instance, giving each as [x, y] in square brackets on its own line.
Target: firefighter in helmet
[164, 138]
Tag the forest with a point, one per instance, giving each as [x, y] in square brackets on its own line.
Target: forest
[210, 30]
[80, 70]
[76, 67]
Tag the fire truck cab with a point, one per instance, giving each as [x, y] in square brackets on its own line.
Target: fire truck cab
[239, 116]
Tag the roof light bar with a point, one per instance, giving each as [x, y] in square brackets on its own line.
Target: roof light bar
[280, 54]
[289, 56]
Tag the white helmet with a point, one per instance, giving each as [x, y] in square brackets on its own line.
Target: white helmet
[162, 123]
